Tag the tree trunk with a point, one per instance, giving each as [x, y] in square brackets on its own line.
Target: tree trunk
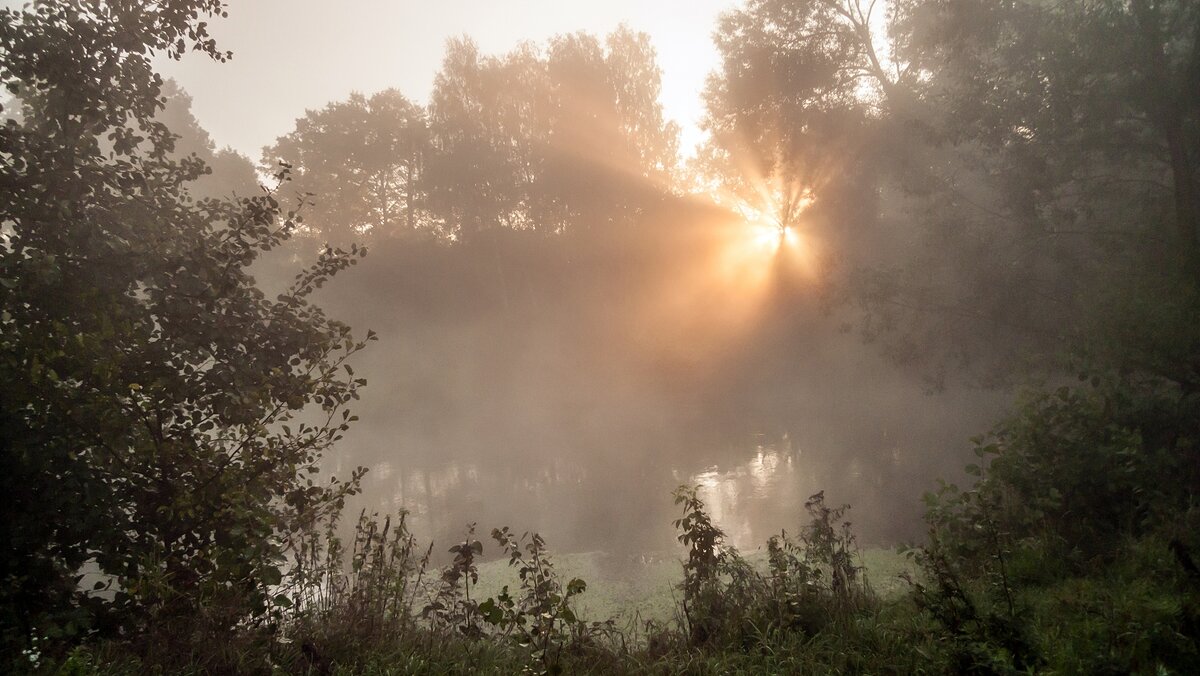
[1169, 110]
[1187, 215]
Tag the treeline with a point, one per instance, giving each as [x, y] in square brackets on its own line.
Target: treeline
[565, 135]
[982, 186]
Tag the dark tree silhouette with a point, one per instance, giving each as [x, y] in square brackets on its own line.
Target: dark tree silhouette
[147, 380]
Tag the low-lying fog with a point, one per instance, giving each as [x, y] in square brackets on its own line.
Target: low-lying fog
[567, 384]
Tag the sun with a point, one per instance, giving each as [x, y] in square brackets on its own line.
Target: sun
[771, 227]
[762, 229]
[771, 237]
[753, 251]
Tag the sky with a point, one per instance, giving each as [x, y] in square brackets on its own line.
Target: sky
[293, 55]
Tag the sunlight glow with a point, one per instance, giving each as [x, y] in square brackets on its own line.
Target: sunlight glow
[766, 236]
[770, 227]
[725, 273]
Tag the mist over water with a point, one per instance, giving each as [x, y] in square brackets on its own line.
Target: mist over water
[545, 384]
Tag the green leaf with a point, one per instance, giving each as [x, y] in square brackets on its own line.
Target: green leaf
[271, 576]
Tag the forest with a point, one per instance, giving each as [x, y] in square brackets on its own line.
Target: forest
[897, 371]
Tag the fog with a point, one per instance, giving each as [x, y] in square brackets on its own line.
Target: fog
[573, 320]
[365, 337]
[568, 384]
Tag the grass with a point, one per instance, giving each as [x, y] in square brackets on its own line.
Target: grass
[1126, 617]
[636, 588]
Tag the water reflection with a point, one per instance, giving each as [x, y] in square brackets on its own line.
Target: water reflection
[441, 500]
[762, 490]
[584, 507]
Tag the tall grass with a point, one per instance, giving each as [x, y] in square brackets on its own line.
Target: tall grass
[378, 606]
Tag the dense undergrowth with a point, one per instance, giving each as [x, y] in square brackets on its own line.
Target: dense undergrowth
[1073, 552]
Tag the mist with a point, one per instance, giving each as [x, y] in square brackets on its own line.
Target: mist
[568, 384]
[571, 326]
[817, 336]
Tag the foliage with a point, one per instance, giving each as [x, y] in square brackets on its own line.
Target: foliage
[566, 136]
[359, 162]
[981, 634]
[452, 607]
[785, 108]
[1083, 466]
[148, 469]
[542, 618]
[371, 601]
[570, 137]
[728, 602]
[704, 542]
[1044, 560]
[828, 542]
[987, 173]
[1138, 615]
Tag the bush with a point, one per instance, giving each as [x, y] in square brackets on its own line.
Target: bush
[147, 427]
[810, 583]
[1044, 562]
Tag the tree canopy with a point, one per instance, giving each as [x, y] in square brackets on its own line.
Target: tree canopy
[565, 135]
[365, 158]
[1026, 162]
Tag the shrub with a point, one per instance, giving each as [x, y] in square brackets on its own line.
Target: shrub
[148, 425]
[810, 582]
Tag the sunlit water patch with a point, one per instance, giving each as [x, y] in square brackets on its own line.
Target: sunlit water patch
[754, 499]
[752, 491]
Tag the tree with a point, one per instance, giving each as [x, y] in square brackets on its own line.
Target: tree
[1077, 84]
[792, 116]
[637, 83]
[563, 137]
[606, 143]
[147, 382]
[365, 158]
[482, 161]
[799, 80]
[230, 173]
[1012, 169]
[1070, 130]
